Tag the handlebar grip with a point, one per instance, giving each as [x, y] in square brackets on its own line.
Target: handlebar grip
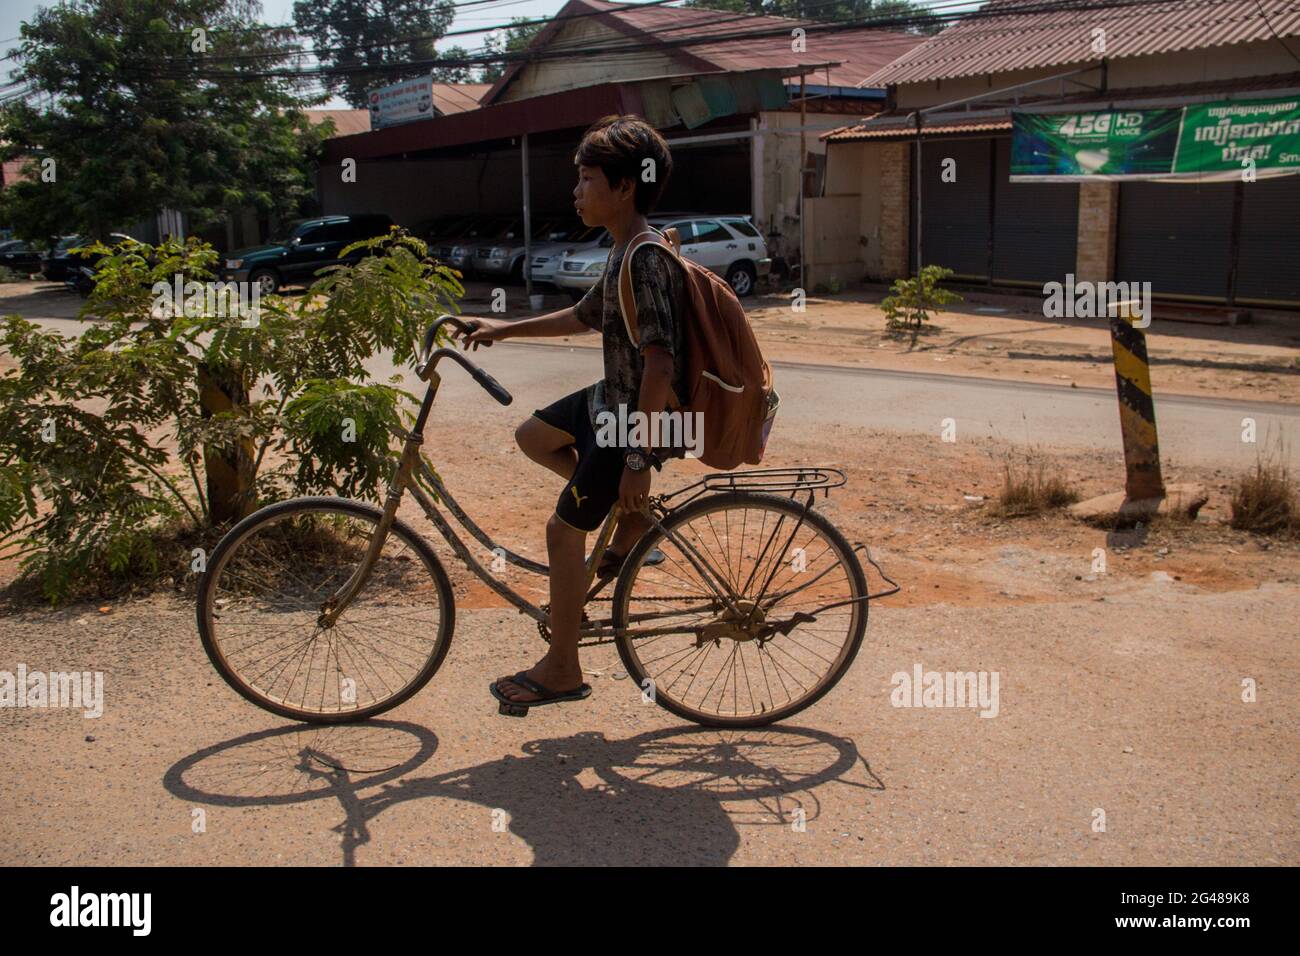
[493, 387]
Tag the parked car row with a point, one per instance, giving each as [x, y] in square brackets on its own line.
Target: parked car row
[300, 250]
[566, 254]
[570, 256]
[67, 263]
[19, 256]
[59, 264]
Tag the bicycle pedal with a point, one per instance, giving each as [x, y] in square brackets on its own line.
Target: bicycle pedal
[512, 710]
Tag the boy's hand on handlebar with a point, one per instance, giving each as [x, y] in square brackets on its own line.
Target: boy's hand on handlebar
[483, 332]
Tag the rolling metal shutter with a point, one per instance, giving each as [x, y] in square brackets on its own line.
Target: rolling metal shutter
[1177, 236]
[1029, 229]
[955, 216]
[1268, 260]
[1035, 226]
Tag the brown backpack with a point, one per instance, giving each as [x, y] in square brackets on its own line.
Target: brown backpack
[730, 383]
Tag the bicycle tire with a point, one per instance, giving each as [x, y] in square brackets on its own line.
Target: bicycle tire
[719, 502]
[241, 531]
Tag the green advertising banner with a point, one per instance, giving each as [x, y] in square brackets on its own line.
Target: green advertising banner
[1220, 137]
[1207, 141]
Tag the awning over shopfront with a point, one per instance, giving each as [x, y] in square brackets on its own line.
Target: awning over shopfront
[690, 101]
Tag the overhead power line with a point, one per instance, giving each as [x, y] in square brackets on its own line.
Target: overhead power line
[810, 28]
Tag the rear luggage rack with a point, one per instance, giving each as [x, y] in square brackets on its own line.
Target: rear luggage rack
[792, 480]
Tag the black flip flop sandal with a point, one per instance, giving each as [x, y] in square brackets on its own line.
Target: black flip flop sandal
[519, 708]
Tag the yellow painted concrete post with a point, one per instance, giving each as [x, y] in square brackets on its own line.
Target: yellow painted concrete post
[1137, 412]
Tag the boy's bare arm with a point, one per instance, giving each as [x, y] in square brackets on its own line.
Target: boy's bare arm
[656, 381]
[487, 331]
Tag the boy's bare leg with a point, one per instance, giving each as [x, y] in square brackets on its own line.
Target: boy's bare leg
[560, 669]
[548, 446]
[553, 449]
[631, 526]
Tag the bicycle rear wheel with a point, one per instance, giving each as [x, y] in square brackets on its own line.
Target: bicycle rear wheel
[263, 591]
[796, 618]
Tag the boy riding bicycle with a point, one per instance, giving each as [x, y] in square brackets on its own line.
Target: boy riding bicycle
[623, 166]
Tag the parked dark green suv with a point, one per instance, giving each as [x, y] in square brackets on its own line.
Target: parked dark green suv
[303, 247]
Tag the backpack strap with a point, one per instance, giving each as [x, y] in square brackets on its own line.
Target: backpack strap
[668, 240]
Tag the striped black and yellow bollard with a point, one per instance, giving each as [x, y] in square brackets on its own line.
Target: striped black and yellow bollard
[1137, 410]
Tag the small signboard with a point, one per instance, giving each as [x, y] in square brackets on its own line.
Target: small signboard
[403, 102]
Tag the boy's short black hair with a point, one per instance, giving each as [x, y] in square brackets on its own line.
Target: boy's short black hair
[620, 145]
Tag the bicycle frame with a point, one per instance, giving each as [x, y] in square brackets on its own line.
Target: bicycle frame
[411, 462]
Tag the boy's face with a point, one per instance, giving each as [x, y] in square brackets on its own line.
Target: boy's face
[597, 204]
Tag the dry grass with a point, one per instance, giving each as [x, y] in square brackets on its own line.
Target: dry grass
[1265, 501]
[1033, 487]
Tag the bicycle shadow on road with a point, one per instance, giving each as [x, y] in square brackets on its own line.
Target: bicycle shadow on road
[665, 797]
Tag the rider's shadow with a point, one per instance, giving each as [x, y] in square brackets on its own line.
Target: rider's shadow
[671, 797]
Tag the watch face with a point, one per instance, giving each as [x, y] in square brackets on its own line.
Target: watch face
[635, 460]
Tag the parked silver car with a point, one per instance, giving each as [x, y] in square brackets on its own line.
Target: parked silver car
[729, 245]
[504, 256]
[547, 255]
[458, 251]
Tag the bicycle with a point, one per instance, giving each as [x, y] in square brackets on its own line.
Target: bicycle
[340, 596]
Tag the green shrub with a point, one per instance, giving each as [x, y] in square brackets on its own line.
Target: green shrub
[151, 421]
[911, 301]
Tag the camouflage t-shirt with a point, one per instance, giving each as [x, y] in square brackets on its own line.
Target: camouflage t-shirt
[659, 289]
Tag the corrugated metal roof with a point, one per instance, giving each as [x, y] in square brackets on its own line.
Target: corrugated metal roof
[346, 122]
[458, 97]
[1016, 39]
[448, 98]
[995, 118]
[13, 170]
[859, 53]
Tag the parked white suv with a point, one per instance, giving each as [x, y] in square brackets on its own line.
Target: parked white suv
[727, 245]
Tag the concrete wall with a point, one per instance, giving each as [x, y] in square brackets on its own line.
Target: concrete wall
[776, 171]
[832, 227]
[877, 177]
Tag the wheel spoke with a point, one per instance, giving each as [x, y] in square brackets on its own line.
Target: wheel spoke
[744, 542]
[263, 606]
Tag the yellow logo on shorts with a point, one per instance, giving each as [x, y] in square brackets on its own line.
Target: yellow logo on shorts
[576, 497]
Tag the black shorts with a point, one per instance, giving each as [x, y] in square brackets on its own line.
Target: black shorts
[592, 491]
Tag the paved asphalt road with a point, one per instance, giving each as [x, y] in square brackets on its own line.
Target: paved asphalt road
[1193, 431]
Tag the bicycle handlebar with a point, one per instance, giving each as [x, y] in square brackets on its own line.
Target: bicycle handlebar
[429, 359]
[432, 333]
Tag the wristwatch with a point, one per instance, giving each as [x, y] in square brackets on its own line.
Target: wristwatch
[641, 460]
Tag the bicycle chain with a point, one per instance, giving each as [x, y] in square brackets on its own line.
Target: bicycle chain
[594, 640]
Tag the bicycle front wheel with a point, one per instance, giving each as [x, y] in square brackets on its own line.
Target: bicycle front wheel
[756, 612]
[261, 597]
